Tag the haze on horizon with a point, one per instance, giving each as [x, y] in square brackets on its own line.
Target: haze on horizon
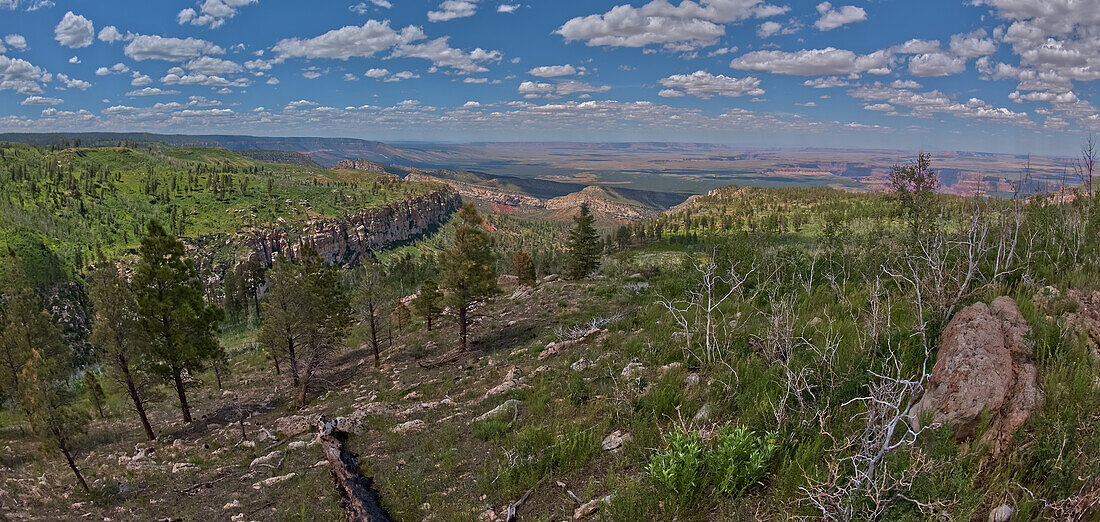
[985, 75]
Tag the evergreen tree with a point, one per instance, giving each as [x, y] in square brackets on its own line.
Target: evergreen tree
[914, 186]
[427, 301]
[306, 318]
[179, 324]
[400, 314]
[117, 334]
[371, 294]
[468, 268]
[584, 245]
[523, 267]
[95, 391]
[44, 390]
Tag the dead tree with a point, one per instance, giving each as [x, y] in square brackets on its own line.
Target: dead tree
[358, 497]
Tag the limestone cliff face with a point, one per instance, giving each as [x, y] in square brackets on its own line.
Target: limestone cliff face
[346, 241]
[600, 203]
[360, 164]
[475, 192]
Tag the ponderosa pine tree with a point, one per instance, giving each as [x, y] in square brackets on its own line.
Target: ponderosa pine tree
[370, 295]
[117, 335]
[468, 268]
[523, 267]
[584, 245]
[306, 317]
[179, 325]
[428, 301]
[400, 314]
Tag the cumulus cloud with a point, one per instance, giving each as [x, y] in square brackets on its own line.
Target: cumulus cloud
[814, 62]
[118, 68]
[348, 42]
[705, 85]
[928, 104]
[451, 9]
[826, 82]
[153, 47]
[212, 13]
[443, 55]
[362, 7]
[178, 76]
[41, 100]
[687, 26]
[150, 91]
[833, 18]
[936, 64]
[110, 34]
[972, 45]
[22, 76]
[507, 8]
[74, 31]
[376, 73]
[551, 71]
[211, 65]
[16, 41]
[917, 46]
[767, 29]
[540, 89]
[73, 83]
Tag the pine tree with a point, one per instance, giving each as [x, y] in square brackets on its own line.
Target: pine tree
[371, 294]
[400, 314]
[117, 335]
[584, 245]
[523, 267]
[306, 318]
[95, 391]
[178, 323]
[43, 384]
[468, 268]
[427, 301]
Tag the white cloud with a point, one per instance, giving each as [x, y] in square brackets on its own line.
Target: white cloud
[833, 18]
[41, 100]
[177, 76]
[826, 82]
[443, 55]
[905, 84]
[74, 60]
[917, 46]
[212, 13]
[118, 68]
[362, 7]
[813, 62]
[211, 65]
[451, 9]
[936, 64]
[767, 29]
[702, 84]
[301, 104]
[141, 80]
[150, 91]
[22, 76]
[972, 45]
[73, 83]
[376, 73]
[272, 81]
[348, 42]
[539, 89]
[153, 47]
[928, 104]
[74, 31]
[403, 75]
[110, 34]
[471, 105]
[689, 25]
[16, 41]
[880, 107]
[507, 8]
[552, 71]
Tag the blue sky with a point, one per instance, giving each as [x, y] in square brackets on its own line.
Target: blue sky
[991, 75]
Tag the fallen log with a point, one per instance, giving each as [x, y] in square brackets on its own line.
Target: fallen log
[360, 501]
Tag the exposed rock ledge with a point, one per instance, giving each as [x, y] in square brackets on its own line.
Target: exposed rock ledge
[346, 241]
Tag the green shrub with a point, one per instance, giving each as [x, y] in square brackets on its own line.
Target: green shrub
[490, 429]
[679, 469]
[740, 458]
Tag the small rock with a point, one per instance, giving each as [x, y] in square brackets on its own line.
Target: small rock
[269, 459]
[232, 505]
[551, 278]
[615, 441]
[273, 480]
[406, 427]
[703, 415]
[1000, 513]
[631, 369]
[247, 444]
[589, 507]
[295, 424]
[183, 466]
[507, 407]
[412, 396]
[691, 380]
[299, 444]
[582, 364]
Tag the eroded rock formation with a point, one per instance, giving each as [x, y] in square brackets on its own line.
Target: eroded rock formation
[984, 364]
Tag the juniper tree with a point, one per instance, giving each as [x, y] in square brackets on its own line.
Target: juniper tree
[584, 245]
[523, 267]
[179, 325]
[468, 268]
[117, 334]
[427, 301]
[306, 317]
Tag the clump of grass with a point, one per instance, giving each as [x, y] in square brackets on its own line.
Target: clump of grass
[490, 429]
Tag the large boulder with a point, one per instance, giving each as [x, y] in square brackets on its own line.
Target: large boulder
[984, 364]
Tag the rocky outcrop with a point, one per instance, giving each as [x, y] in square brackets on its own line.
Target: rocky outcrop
[360, 164]
[600, 203]
[984, 365]
[347, 241]
[466, 190]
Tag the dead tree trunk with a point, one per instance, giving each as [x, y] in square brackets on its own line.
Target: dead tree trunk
[360, 501]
